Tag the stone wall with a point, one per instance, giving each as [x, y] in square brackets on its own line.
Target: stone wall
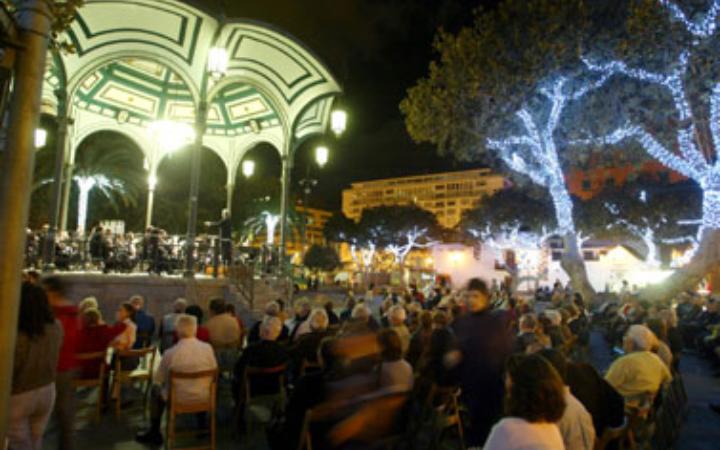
[159, 292]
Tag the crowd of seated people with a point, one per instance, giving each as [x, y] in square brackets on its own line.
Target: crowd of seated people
[516, 368]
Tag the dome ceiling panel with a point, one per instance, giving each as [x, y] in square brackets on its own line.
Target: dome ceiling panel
[142, 91]
[167, 24]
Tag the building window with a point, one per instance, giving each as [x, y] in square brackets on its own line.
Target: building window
[556, 256]
[451, 204]
[439, 187]
[586, 185]
[439, 204]
[589, 256]
[610, 182]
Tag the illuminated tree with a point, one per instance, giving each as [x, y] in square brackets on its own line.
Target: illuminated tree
[498, 90]
[103, 167]
[399, 229]
[675, 113]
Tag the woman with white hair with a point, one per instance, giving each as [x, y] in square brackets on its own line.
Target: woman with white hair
[305, 349]
[639, 371]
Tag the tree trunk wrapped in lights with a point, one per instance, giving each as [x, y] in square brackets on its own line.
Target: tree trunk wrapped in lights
[687, 153]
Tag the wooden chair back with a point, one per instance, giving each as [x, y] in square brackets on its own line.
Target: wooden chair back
[252, 372]
[619, 435]
[142, 373]
[176, 407]
[98, 382]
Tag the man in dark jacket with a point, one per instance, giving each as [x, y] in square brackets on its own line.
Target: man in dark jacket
[485, 340]
[266, 353]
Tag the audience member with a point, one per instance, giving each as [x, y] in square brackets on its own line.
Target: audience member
[202, 332]
[576, 425]
[396, 374]
[485, 341]
[535, 403]
[67, 369]
[272, 309]
[639, 371]
[266, 353]
[419, 347]
[397, 316]
[145, 323]
[167, 325]
[126, 339]
[305, 349]
[36, 355]
[95, 336]
[189, 355]
[527, 335]
[223, 328]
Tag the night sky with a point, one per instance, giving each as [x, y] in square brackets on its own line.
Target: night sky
[376, 49]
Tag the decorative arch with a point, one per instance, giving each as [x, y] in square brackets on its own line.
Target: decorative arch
[85, 128]
[82, 75]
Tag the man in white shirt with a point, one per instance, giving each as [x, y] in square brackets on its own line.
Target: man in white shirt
[189, 355]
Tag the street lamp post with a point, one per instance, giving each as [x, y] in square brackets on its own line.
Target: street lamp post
[217, 66]
[338, 124]
[322, 154]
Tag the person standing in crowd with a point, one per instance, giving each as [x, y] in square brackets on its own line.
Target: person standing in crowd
[37, 351]
[419, 348]
[485, 340]
[188, 355]
[67, 369]
[224, 226]
[535, 403]
[145, 323]
[167, 325]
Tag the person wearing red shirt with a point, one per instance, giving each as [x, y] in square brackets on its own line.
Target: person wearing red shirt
[95, 336]
[67, 314]
[202, 332]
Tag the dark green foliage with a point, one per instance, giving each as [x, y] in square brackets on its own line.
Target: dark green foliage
[321, 258]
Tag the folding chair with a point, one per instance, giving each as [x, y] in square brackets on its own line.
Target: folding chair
[98, 382]
[142, 373]
[176, 407]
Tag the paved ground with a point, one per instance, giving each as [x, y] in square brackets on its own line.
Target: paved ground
[701, 431]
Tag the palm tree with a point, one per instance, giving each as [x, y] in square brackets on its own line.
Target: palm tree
[268, 220]
[104, 161]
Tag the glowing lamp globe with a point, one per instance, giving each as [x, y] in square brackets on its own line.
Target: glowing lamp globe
[322, 155]
[171, 136]
[40, 137]
[217, 62]
[248, 168]
[338, 121]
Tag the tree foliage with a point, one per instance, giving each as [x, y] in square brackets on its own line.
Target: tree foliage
[322, 258]
[648, 203]
[484, 73]
[391, 225]
[515, 208]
